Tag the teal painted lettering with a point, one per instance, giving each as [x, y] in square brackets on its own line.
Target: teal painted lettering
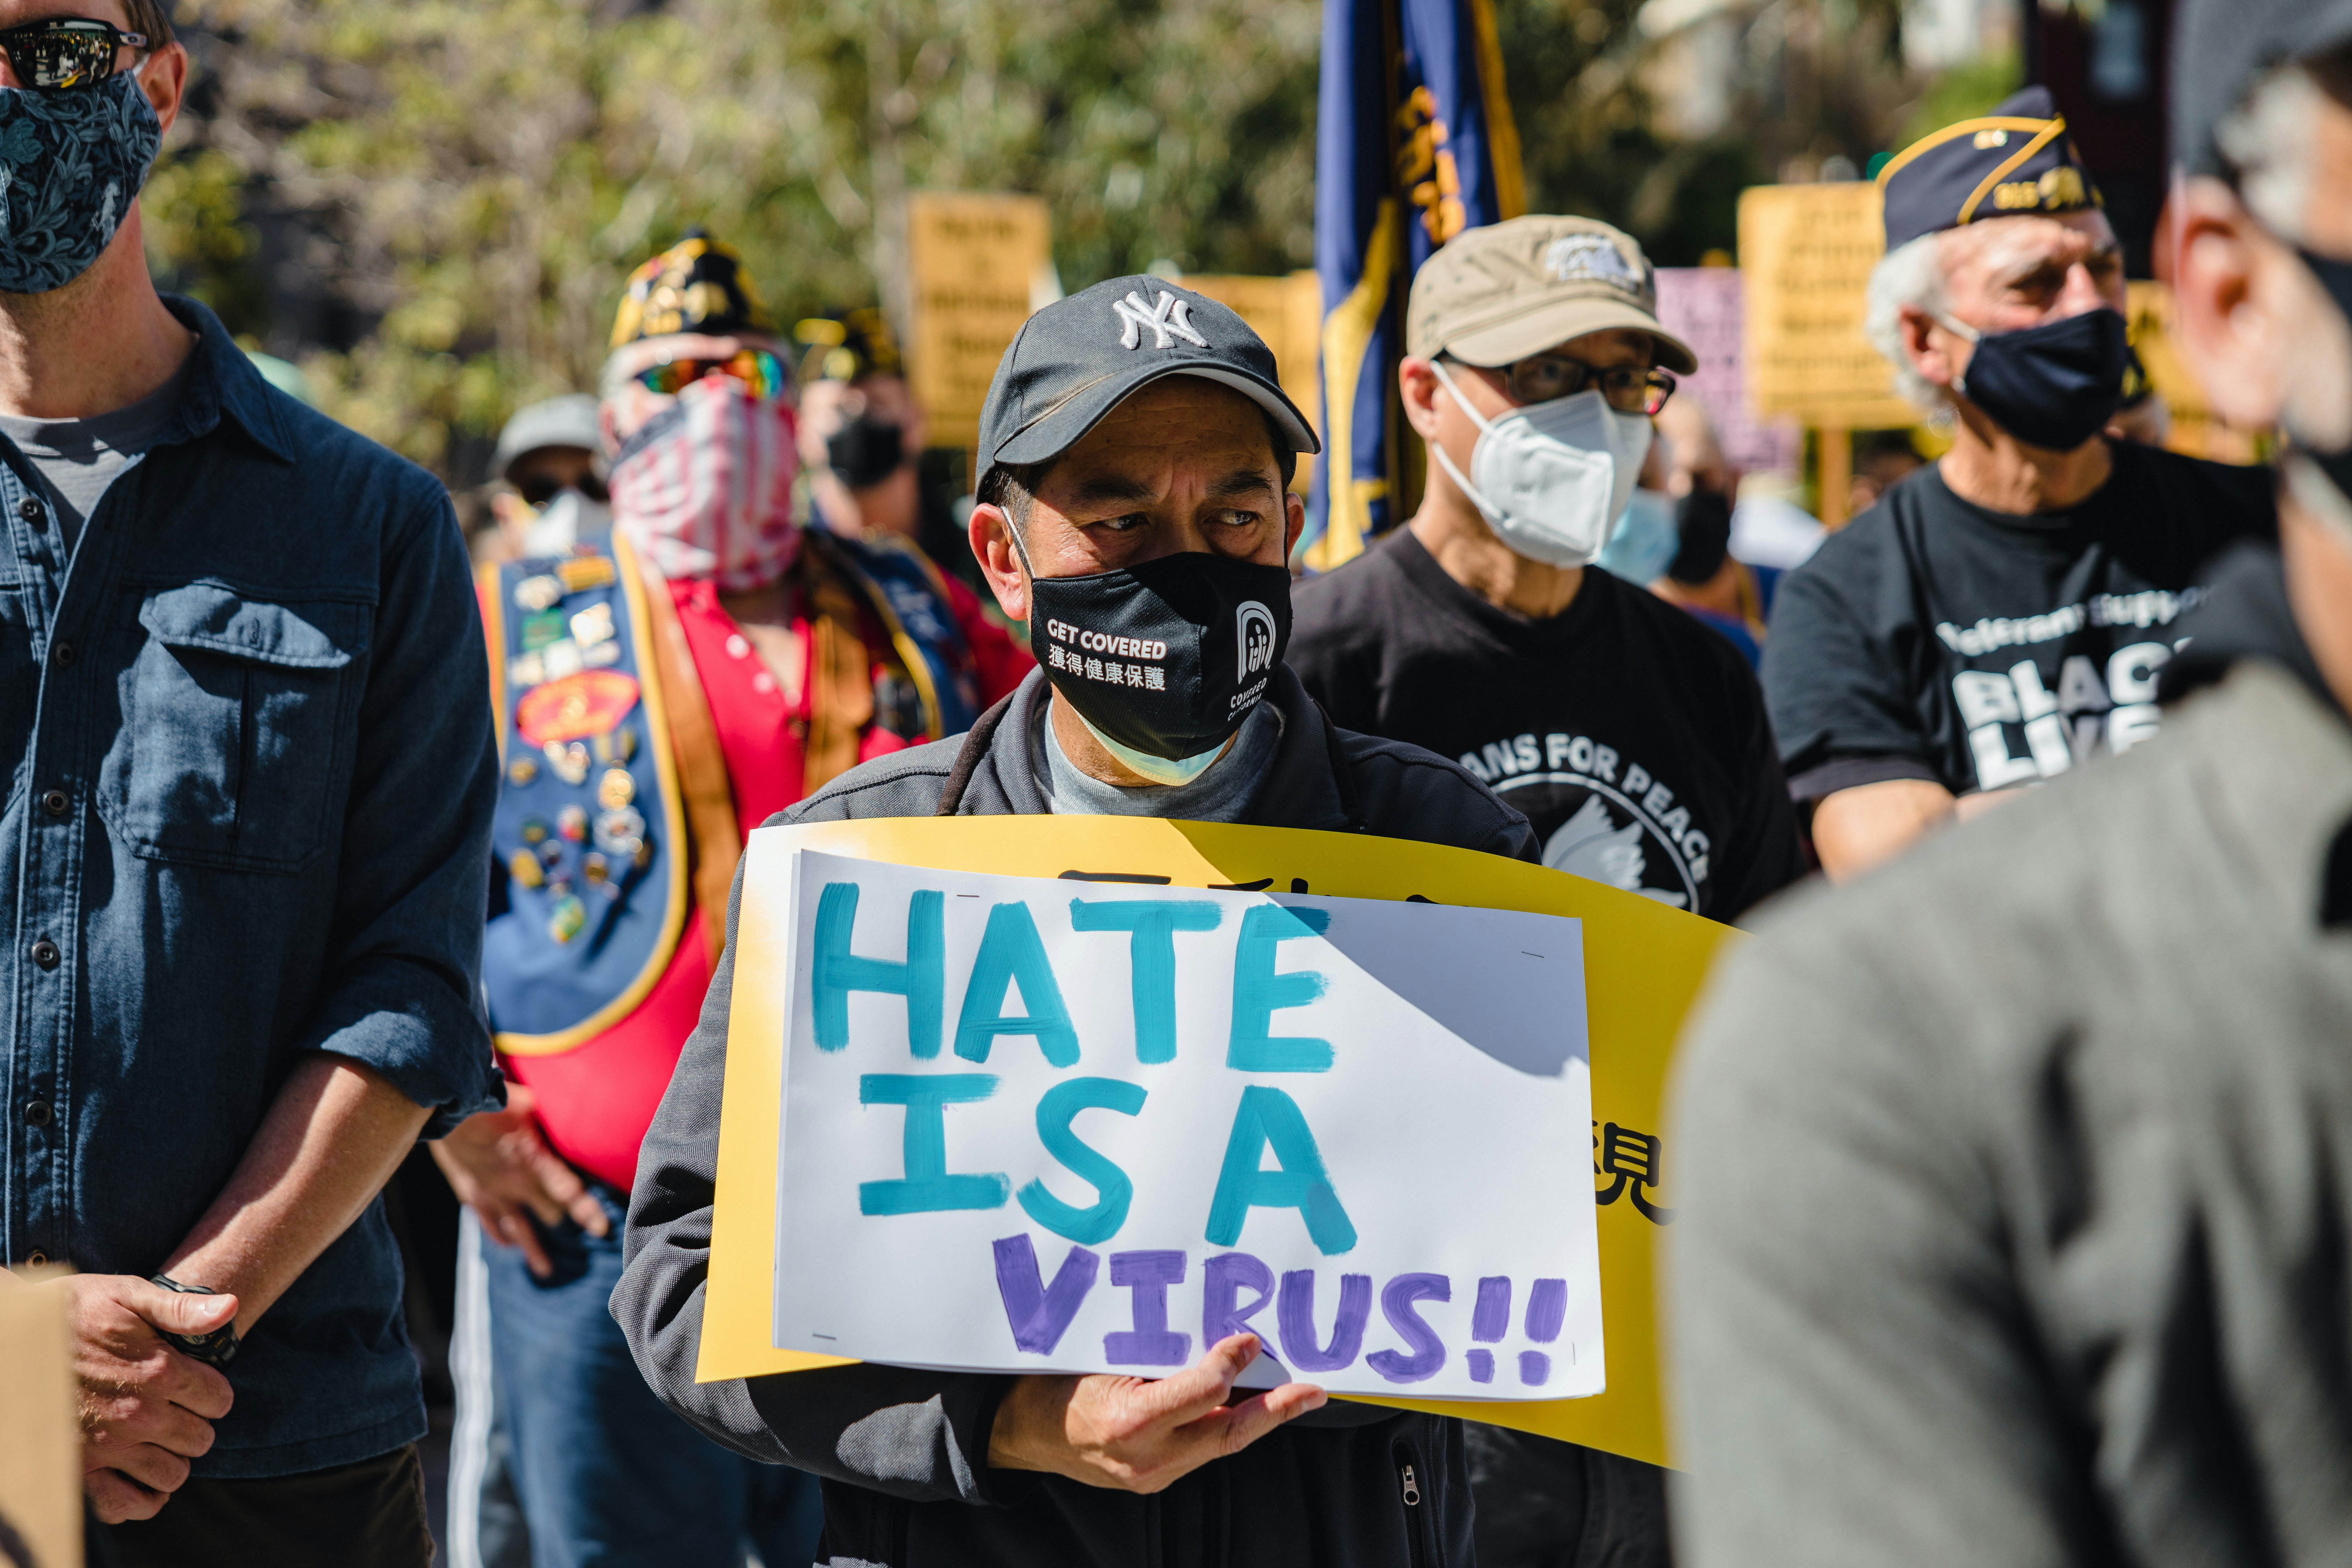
[1061, 1104]
[1271, 1119]
[921, 979]
[1259, 992]
[1011, 953]
[1151, 958]
[927, 1187]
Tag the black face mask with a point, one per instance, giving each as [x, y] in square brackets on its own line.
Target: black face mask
[1167, 658]
[2336, 277]
[2055, 385]
[1702, 518]
[866, 451]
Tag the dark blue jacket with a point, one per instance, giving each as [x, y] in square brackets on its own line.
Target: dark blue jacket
[247, 740]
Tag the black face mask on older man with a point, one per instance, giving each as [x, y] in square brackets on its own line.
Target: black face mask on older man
[2055, 385]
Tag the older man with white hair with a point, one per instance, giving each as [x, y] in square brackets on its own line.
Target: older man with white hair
[2013, 1214]
[2000, 617]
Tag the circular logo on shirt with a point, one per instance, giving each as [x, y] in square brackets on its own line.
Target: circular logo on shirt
[1605, 840]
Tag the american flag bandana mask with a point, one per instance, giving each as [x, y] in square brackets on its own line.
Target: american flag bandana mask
[705, 488]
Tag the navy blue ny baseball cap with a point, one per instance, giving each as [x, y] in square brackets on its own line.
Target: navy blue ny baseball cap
[1075, 360]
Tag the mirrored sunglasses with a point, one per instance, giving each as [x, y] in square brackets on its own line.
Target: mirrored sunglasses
[757, 368]
[66, 54]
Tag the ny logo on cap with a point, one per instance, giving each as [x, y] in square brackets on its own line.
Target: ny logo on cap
[1171, 317]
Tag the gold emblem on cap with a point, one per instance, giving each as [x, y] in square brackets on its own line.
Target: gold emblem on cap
[615, 789]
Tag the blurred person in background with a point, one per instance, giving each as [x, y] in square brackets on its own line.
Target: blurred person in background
[2014, 1216]
[1632, 738]
[248, 724]
[1882, 459]
[758, 660]
[862, 437]
[550, 472]
[1704, 576]
[2002, 617]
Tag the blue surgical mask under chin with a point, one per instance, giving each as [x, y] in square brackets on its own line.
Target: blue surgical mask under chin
[1645, 541]
[1158, 769]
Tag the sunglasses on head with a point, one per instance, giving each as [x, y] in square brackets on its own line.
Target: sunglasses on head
[757, 368]
[1627, 388]
[66, 54]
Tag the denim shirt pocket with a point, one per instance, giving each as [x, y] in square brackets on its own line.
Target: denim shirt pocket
[234, 727]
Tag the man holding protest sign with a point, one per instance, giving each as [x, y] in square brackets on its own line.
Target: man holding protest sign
[2001, 616]
[1135, 454]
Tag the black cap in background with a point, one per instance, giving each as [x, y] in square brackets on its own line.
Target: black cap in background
[1076, 359]
[2221, 47]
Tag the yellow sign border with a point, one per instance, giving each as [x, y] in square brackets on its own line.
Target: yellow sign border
[1644, 964]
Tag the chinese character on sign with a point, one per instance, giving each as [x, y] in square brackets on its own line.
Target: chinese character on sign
[1630, 1157]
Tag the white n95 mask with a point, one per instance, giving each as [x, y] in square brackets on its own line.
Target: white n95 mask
[1551, 476]
[568, 518]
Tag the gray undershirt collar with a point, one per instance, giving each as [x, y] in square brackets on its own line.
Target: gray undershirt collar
[80, 458]
[1221, 794]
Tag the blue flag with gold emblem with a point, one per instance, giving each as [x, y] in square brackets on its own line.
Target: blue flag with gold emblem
[1413, 144]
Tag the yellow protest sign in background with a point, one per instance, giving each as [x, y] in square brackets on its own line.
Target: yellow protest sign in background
[1805, 256]
[974, 262]
[1643, 965]
[1287, 313]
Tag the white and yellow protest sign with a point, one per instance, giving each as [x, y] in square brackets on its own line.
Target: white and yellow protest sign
[1642, 962]
[975, 261]
[1025, 1094]
[1805, 257]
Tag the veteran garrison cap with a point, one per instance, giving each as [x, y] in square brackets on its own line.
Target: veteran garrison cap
[696, 285]
[848, 346]
[2222, 47]
[2015, 161]
[1079, 358]
[1504, 290]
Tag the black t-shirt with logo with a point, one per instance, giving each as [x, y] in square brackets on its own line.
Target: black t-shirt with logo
[1632, 736]
[1933, 640]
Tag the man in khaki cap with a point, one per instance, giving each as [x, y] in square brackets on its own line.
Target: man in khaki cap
[1632, 736]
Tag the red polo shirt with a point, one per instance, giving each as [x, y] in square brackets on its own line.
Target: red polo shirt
[596, 1099]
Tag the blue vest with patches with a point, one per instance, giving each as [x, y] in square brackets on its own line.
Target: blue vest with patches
[590, 831]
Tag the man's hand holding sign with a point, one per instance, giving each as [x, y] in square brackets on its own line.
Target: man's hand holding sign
[1046, 1138]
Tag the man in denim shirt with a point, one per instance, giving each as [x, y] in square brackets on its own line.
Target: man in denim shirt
[244, 714]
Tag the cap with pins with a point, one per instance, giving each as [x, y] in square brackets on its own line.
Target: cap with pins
[2014, 161]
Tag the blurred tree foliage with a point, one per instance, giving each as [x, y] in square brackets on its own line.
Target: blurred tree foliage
[432, 205]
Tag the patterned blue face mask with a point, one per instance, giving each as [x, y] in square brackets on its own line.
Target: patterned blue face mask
[70, 165]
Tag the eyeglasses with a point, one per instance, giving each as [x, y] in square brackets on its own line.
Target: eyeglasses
[757, 369]
[1627, 388]
[66, 54]
[540, 489]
